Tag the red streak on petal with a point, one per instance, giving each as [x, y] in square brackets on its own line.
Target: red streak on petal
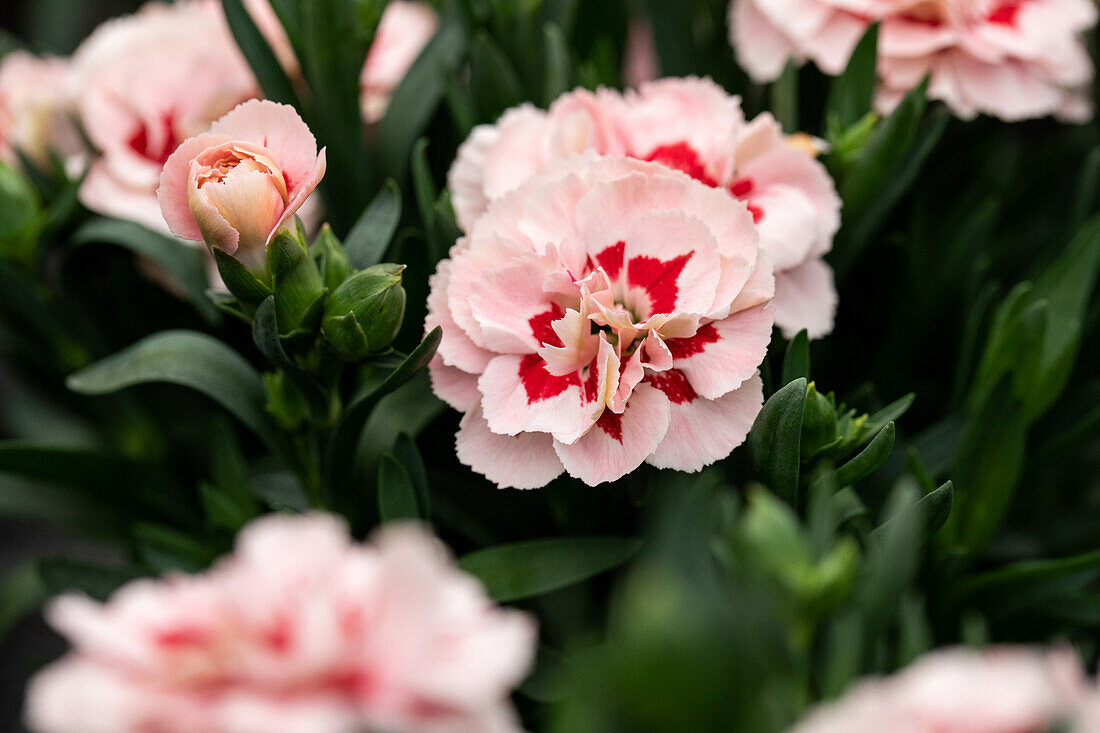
[658, 279]
[681, 157]
[741, 187]
[757, 213]
[612, 424]
[1005, 14]
[685, 347]
[278, 637]
[592, 384]
[176, 638]
[139, 142]
[541, 328]
[541, 384]
[674, 384]
[611, 259]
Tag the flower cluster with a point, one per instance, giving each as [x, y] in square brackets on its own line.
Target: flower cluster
[1013, 59]
[693, 126]
[606, 312]
[1002, 690]
[299, 630]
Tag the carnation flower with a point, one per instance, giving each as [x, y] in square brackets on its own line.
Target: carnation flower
[238, 184]
[145, 83]
[1013, 59]
[691, 125]
[36, 109]
[301, 631]
[607, 312]
[405, 28]
[1002, 690]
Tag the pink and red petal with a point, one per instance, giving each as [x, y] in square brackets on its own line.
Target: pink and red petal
[702, 431]
[523, 461]
[618, 444]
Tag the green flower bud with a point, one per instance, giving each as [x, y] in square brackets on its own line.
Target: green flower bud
[818, 422]
[364, 315]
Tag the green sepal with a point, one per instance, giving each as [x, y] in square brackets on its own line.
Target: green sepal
[298, 284]
[239, 280]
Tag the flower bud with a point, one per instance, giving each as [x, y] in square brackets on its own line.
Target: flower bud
[818, 422]
[238, 185]
[364, 315]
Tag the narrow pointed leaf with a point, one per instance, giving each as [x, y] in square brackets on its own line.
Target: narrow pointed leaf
[368, 240]
[526, 569]
[189, 359]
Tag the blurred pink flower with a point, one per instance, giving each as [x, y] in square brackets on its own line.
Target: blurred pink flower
[36, 110]
[691, 125]
[404, 31]
[145, 83]
[607, 312]
[299, 631]
[235, 186]
[1001, 690]
[640, 62]
[1012, 59]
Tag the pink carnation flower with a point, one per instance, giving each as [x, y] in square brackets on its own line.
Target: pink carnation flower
[1013, 59]
[607, 312]
[145, 83]
[404, 31]
[238, 184]
[36, 110]
[299, 631]
[691, 125]
[1002, 690]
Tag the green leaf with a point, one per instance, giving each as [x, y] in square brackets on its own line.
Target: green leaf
[936, 507]
[102, 477]
[335, 46]
[265, 334]
[1029, 571]
[424, 185]
[60, 575]
[851, 94]
[1088, 186]
[224, 510]
[796, 360]
[368, 240]
[519, 570]
[556, 62]
[189, 359]
[342, 450]
[396, 494]
[775, 439]
[273, 79]
[784, 98]
[415, 100]
[21, 592]
[165, 549]
[673, 36]
[495, 83]
[280, 489]
[405, 451]
[1067, 285]
[869, 459]
[185, 264]
[891, 413]
[239, 279]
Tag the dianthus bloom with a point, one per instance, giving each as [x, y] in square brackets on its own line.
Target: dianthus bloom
[299, 631]
[607, 312]
[1002, 690]
[238, 184]
[145, 83]
[36, 110]
[405, 28]
[691, 125]
[1013, 59]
